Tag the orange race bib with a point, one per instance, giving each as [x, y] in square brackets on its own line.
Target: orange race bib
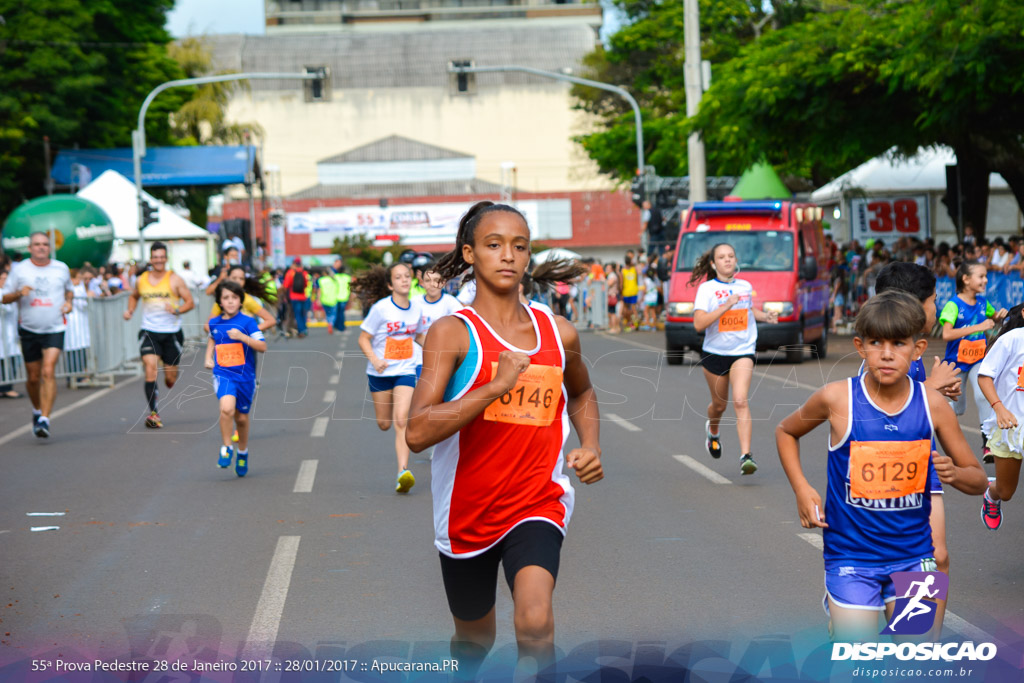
[888, 469]
[970, 351]
[398, 349]
[733, 321]
[532, 401]
[230, 355]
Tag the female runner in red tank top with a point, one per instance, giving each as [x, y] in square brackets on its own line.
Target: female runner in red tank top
[501, 382]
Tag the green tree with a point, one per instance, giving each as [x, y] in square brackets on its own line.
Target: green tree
[646, 57]
[77, 73]
[822, 96]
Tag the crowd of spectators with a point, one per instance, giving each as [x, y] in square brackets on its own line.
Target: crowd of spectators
[853, 267]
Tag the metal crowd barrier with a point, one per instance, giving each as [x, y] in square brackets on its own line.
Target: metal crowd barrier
[98, 342]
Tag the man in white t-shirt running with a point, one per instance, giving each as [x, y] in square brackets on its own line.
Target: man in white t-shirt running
[42, 287]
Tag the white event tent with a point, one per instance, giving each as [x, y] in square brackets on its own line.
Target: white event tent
[923, 175]
[185, 241]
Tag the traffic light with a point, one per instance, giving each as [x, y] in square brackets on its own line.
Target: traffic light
[149, 214]
[638, 190]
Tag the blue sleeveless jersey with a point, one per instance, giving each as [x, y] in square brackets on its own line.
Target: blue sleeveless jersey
[916, 373]
[872, 532]
[967, 315]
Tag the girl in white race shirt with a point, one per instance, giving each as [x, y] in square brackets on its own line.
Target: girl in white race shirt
[436, 303]
[1002, 384]
[724, 311]
[388, 339]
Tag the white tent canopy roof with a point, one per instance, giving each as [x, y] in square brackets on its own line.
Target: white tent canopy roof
[924, 172]
[116, 195]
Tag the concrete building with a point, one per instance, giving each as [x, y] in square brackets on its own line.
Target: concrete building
[386, 72]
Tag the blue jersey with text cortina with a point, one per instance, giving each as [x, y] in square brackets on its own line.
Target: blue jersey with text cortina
[866, 532]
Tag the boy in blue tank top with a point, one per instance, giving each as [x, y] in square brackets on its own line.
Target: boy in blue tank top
[883, 426]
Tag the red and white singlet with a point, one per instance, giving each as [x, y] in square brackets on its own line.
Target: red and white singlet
[494, 474]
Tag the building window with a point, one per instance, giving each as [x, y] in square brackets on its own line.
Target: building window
[461, 84]
[318, 90]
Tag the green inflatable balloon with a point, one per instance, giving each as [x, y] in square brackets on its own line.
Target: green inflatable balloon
[82, 230]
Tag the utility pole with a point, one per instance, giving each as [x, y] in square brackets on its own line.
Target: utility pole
[694, 91]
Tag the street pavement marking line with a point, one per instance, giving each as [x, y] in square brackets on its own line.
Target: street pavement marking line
[67, 409]
[702, 469]
[968, 630]
[307, 473]
[334, 379]
[330, 396]
[267, 620]
[320, 426]
[813, 539]
[622, 422]
[952, 621]
[339, 355]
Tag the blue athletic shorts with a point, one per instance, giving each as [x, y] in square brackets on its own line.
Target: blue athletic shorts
[389, 383]
[242, 391]
[631, 300]
[868, 588]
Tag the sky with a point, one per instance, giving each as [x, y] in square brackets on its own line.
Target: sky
[198, 17]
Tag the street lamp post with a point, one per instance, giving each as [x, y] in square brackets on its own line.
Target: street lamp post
[139, 134]
[571, 79]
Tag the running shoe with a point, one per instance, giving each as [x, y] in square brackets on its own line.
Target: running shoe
[986, 456]
[712, 444]
[42, 428]
[242, 464]
[747, 464]
[153, 420]
[991, 512]
[226, 454]
[405, 482]
[234, 437]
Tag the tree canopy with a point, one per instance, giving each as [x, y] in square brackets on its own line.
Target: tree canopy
[832, 86]
[77, 73]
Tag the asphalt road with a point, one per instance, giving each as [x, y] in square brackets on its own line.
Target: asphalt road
[673, 560]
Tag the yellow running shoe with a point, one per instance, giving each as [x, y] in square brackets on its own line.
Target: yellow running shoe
[405, 482]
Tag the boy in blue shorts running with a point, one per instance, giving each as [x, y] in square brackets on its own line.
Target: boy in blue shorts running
[883, 427]
[231, 354]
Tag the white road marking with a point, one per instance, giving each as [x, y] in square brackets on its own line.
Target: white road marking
[339, 355]
[45, 528]
[952, 621]
[813, 539]
[334, 379]
[330, 396]
[622, 422]
[702, 469]
[44, 514]
[307, 473]
[320, 426]
[67, 409]
[267, 620]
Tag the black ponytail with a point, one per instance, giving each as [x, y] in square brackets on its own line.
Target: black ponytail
[560, 270]
[374, 285]
[254, 287]
[452, 265]
[1014, 319]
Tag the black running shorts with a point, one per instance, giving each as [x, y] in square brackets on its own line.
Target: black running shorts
[33, 343]
[471, 583]
[720, 365]
[166, 345]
